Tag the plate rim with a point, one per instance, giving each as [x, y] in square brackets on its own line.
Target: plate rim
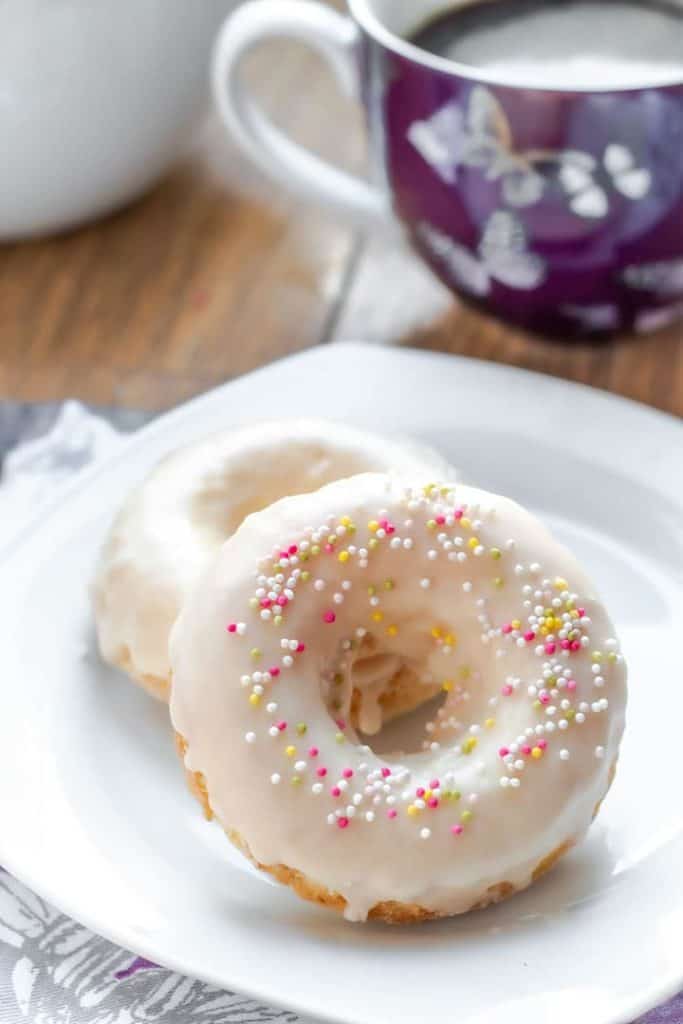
[653, 995]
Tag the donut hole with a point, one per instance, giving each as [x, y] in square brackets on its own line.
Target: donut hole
[376, 689]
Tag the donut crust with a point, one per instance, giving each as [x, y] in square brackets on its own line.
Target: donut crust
[390, 911]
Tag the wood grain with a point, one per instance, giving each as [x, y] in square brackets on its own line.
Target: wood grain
[217, 272]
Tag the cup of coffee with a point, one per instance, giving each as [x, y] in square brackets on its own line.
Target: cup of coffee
[97, 98]
[532, 149]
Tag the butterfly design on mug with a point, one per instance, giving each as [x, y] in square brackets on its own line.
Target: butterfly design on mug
[61, 972]
[481, 137]
[502, 255]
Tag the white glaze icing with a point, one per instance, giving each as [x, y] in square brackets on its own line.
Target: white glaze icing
[173, 523]
[489, 566]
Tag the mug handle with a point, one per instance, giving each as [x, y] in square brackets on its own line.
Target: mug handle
[336, 38]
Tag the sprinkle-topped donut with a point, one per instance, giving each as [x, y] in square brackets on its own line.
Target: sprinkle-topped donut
[459, 587]
[175, 521]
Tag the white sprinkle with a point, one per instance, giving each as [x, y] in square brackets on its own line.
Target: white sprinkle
[317, 788]
[245, 680]
[338, 598]
[599, 752]
[370, 816]
[467, 587]
[394, 543]
[300, 766]
[535, 567]
[258, 690]
[580, 717]
[432, 554]
[425, 583]
[271, 708]
[288, 661]
[515, 783]
[504, 781]
[346, 584]
[275, 778]
[241, 628]
[250, 737]
[319, 585]
[408, 543]
[564, 754]
[425, 833]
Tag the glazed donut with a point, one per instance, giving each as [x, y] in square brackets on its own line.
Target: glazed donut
[195, 498]
[462, 588]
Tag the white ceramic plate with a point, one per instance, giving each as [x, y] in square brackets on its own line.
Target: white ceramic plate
[94, 812]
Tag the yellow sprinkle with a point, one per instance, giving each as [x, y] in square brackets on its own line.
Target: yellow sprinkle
[277, 620]
[332, 539]
[489, 723]
[428, 794]
[450, 639]
[574, 614]
[340, 737]
[466, 816]
[453, 795]
[392, 630]
[516, 624]
[303, 556]
[569, 605]
[611, 657]
[290, 751]
[345, 521]
[255, 653]
[499, 582]
[296, 780]
[495, 553]
[254, 700]
[570, 714]
[469, 744]
[372, 591]
[377, 616]
[343, 556]
[427, 489]
[305, 575]
[465, 672]
[373, 526]
[447, 686]
[465, 523]
[561, 584]
[445, 491]
[431, 524]
[537, 753]
[253, 602]
[473, 542]
[413, 811]
[372, 543]
[596, 655]
[537, 705]
[315, 550]
[301, 728]
[388, 584]
[544, 631]
[436, 633]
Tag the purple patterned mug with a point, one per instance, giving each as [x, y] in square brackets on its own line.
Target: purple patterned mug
[559, 210]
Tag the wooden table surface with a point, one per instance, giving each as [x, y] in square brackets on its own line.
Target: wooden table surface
[217, 272]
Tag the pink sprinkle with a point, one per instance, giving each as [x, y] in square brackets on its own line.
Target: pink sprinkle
[284, 554]
[329, 548]
[232, 628]
[507, 690]
[581, 611]
[504, 751]
[459, 513]
[542, 744]
[282, 726]
[265, 602]
[420, 791]
[282, 600]
[544, 697]
[348, 773]
[432, 802]
[329, 617]
[564, 644]
[550, 648]
[321, 772]
[392, 812]
[434, 784]
[575, 645]
[457, 830]
[529, 636]
[389, 527]
[386, 772]
[313, 751]
[335, 791]
[571, 684]
[293, 549]
[274, 671]
[342, 822]
[300, 648]
[440, 520]
[341, 724]
[507, 628]
[526, 749]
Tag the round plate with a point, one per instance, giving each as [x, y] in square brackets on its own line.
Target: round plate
[95, 815]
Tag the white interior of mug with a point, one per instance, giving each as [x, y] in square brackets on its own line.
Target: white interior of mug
[392, 22]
